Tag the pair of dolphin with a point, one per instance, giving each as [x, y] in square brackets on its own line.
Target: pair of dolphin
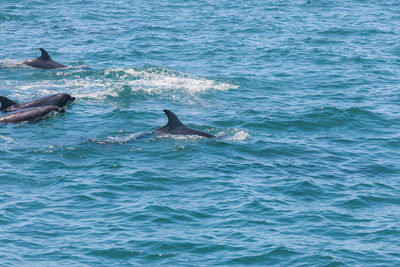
[39, 108]
[30, 114]
[33, 110]
[174, 125]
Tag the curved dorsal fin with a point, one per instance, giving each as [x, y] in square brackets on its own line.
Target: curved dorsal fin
[173, 121]
[45, 55]
[5, 102]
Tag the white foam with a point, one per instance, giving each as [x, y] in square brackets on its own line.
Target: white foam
[239, 136]
[121, 139]
[113, 140]
[10, 63]
[150, 80]
[180, 137]
[99, 85]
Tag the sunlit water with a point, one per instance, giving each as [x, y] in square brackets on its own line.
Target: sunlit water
[303, 97]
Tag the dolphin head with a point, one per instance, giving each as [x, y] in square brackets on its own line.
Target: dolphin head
[64, 99]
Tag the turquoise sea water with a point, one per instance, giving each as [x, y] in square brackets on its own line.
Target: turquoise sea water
[303, 96]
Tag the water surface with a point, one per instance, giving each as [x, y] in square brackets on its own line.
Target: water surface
[304, 99]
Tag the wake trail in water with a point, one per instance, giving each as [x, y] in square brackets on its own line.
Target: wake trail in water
[238, 136]
[118, 82]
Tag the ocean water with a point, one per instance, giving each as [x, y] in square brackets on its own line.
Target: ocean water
[304, 99]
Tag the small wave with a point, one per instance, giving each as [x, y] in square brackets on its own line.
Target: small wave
[6, 139]
[329, 117]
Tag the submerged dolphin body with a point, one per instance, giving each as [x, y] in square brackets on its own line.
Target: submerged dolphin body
[30, 114]
[175, 126]
[43, 62]
[58, 100]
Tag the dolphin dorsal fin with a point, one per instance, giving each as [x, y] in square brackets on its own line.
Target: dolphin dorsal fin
[5, 102]
[45, 55]
[173, 121]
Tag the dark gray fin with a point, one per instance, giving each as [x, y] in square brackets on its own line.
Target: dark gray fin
[44, 55]
[5, 102]
[173, 121]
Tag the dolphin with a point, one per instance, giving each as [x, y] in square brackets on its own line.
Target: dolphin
[58, 100]
[175, 126]
[30, 114]
[43, 62]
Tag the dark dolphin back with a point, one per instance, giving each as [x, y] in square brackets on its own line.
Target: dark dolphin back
[59, 100]
[30, 114]
[190, 131]
[6, 102]
[175, 126]
[43, 62]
